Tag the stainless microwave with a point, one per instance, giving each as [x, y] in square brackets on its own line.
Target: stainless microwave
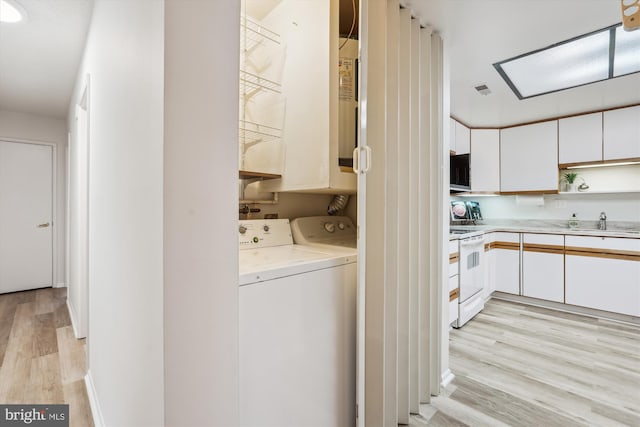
[459, 173]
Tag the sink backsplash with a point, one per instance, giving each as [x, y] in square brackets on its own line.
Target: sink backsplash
[557, 223]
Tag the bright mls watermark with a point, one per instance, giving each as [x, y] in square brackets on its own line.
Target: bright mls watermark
[34, 415]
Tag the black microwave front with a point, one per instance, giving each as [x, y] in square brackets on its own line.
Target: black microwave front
[459, 176]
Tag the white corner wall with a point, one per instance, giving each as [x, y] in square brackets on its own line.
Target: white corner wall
[201, 217]
[619, 207]
[124, 56]
[35, 128]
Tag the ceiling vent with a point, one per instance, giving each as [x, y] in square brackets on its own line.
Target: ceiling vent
[483, 89]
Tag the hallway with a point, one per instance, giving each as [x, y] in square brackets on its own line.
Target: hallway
[40, 359]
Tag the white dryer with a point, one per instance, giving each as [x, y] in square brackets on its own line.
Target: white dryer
[297, 330]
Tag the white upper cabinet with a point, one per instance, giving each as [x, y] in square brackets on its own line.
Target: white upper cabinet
[309, 31]
[461, 138]
[485, 160]
[529, 158]
[580, 139]
[622, 133]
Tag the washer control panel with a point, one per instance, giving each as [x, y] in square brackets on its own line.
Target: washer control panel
[263, 233]
[336, 230]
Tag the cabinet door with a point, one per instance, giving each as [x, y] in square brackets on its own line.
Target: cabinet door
[452, 135]
[506, 253]
[485, 160]
[543, 266]
[580, 139]
[622, 133]
[529, 158]
[603, 273]
[454, 256]
[453, 299]
[490, 266]
[463, 138]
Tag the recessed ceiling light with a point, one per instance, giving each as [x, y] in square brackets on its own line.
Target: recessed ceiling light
[589, 58]
[11, 11]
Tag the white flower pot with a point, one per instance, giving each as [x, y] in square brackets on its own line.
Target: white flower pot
[572, 188]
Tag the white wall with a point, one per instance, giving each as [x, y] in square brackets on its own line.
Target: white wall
[294, 205]
[29, 127]
[124, 56]
[201, 212]
[619, 207]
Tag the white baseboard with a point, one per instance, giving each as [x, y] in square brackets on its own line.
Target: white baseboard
[96, 412]
[60, 285]
[72, 316]
[447, 377]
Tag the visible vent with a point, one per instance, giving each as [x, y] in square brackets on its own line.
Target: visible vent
[483, 89]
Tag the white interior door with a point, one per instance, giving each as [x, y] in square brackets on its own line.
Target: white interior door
[26, 197]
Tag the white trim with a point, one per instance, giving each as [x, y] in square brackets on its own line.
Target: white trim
[73, 317]
[54, 198]
[447, 377]
[60, 285]
[96, 411]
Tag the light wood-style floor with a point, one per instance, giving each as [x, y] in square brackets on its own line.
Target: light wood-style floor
[517, 365]
[41, 362]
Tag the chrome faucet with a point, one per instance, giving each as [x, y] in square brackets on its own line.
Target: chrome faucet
[602, 225]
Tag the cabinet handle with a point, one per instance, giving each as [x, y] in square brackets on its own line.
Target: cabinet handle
[44, 225]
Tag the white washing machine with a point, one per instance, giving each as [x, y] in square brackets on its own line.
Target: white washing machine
[297, 330]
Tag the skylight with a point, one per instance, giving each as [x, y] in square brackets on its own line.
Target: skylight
[10, 12]
[600, 55]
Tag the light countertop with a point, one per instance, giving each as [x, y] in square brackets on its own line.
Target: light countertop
[586, 228]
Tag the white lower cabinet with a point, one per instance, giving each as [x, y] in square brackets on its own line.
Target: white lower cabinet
[490, 266]
[506, 254]
[543, 266]
[453, 299]
[603, 273]
[454, 286]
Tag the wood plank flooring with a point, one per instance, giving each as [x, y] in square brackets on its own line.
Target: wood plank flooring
[41, 361]
[517, 365]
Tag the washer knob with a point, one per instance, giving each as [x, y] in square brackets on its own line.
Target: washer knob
[341, 225]
[242, 229]
[265, 227]
[329, 227]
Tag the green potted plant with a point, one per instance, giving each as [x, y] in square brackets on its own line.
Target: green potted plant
[569, 178]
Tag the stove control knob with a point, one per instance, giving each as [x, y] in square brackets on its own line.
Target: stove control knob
[341, 225]
[329, 227]
[242, 229]
[265, 228]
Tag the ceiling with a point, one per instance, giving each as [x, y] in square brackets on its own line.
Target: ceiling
[39, 57]
[482, 32]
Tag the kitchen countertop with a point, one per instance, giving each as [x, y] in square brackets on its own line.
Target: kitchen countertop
[586, 228]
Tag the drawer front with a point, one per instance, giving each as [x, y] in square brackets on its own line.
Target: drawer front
[453, 268]
[543, 239]
[543, 243]
[453, 246]
[603, 247]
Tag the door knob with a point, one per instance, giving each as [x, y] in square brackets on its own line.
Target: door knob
[44, 225]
